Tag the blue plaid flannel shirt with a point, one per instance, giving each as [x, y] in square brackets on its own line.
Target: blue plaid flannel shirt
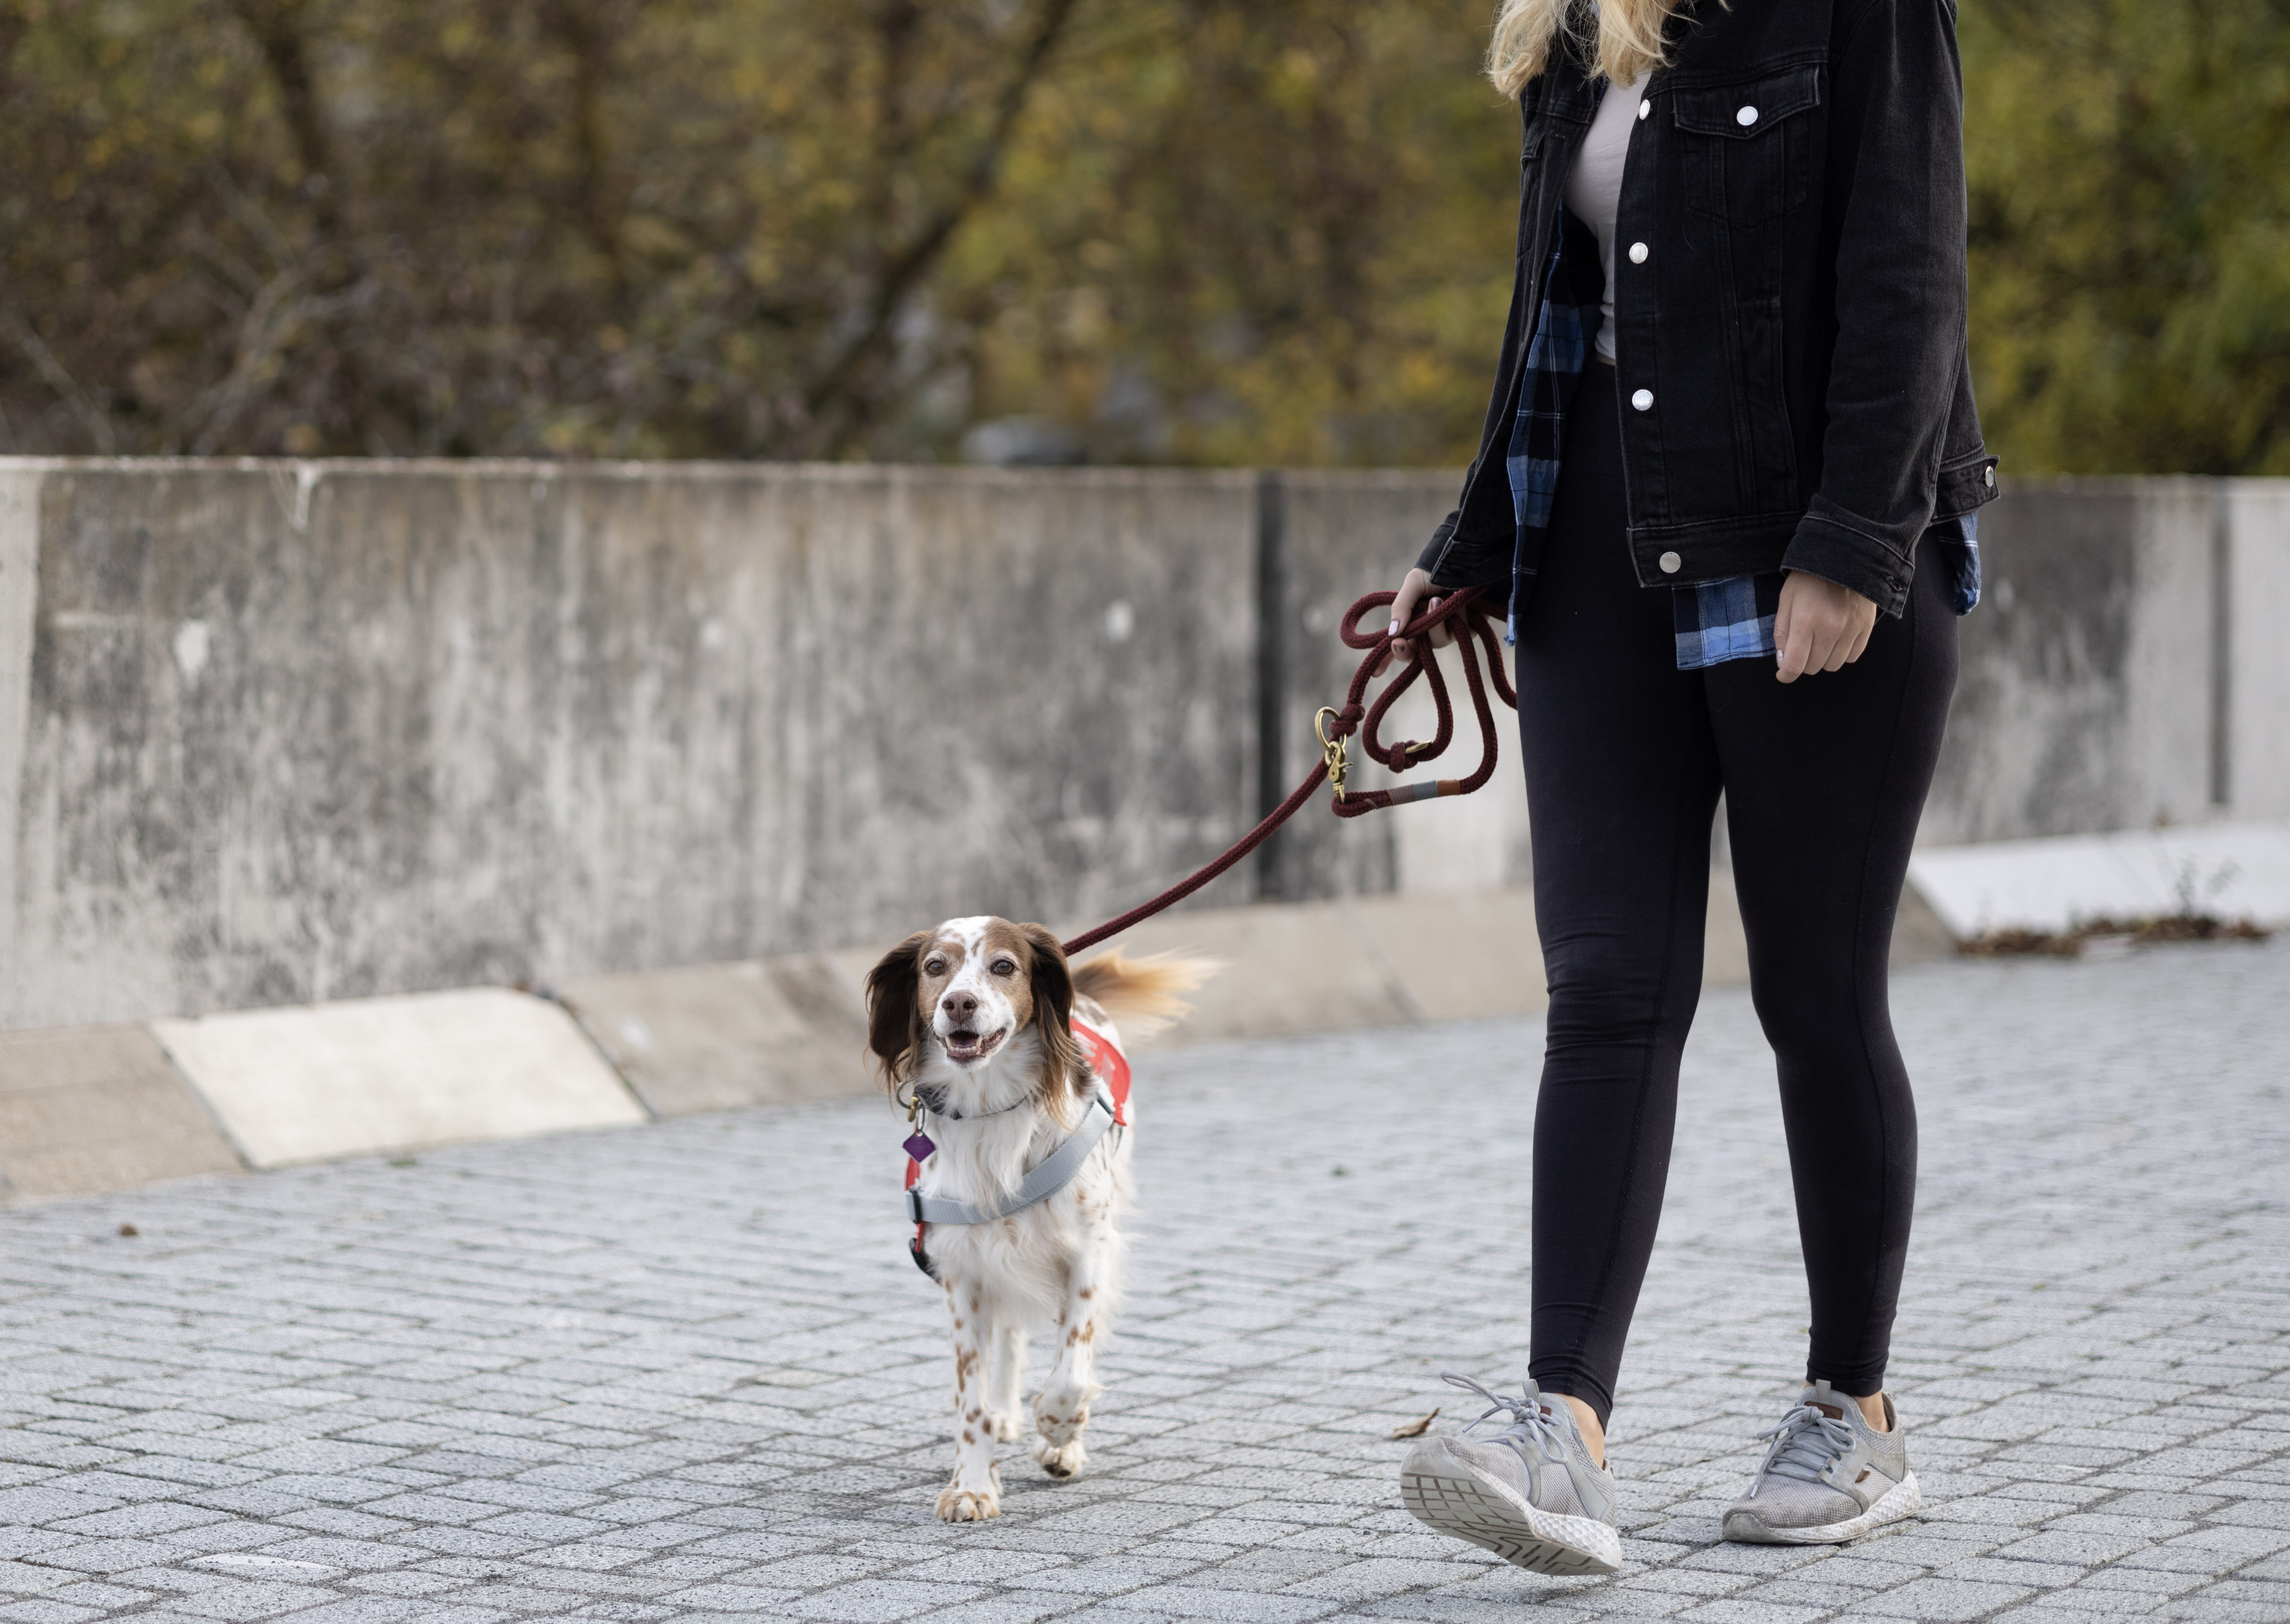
[1715, 620]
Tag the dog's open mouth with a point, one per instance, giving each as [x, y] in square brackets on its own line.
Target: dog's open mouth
[964, 1044]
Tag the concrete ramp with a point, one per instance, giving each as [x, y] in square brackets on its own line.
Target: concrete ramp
[713, 1037]
[2231, 871]
[371, 1074]
[85, 1109]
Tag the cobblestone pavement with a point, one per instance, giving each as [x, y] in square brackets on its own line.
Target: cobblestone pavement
[687, 1372]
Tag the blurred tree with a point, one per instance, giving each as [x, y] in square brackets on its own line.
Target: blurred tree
[1200, 230]
[1268, 230]
[745, 227]
[2130, 175]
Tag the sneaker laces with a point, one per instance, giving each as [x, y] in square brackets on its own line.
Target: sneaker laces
[1530, 1421]
[1804, 1442]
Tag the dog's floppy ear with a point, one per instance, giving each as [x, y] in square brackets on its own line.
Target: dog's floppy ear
[1052, 980]
[893, 1019]
[1053, 997]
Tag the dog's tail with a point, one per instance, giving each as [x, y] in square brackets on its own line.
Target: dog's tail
[1142, 994]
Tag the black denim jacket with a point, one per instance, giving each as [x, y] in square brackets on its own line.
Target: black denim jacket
[1791, 345]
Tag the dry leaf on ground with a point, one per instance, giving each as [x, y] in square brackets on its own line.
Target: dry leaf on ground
[1415, 1428]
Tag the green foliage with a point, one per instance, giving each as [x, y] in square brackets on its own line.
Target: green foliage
[2130, 176]
[1193, 230]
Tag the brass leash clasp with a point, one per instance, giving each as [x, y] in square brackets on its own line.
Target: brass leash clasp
[1331, 748]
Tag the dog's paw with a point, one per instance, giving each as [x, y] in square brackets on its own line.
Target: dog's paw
[1061, 1459]
[1003, 1426]
[957, 1504]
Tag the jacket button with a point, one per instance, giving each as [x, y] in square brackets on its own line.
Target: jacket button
[1670, 563]
[1991, 479]
[1645, 108]
[1746, 117]
[1638, 253]
[1643, 400]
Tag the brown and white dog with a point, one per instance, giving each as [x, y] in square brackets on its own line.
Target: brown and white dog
[975, 1020]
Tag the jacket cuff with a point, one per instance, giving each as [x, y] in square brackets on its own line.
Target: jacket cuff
[1965, 486]
[1436, 549]
[1852, 558]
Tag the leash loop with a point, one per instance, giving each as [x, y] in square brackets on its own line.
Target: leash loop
[1472, 624]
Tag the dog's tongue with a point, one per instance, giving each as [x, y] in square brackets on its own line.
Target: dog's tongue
[963, 1044]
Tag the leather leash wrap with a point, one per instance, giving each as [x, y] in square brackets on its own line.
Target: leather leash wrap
[1473, 625]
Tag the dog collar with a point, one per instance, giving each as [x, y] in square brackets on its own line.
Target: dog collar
[972, 1116]
[1046, 1178]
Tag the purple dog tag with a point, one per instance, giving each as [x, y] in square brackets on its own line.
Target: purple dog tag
[920, 1146]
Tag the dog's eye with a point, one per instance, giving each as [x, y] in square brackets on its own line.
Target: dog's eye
[1005, 966]
[936, 967]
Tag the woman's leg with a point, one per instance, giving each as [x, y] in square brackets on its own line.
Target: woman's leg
[1825, 779]
[1622, 777]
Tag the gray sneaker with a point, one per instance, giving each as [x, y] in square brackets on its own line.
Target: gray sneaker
[1530, 1491]
[1827, 1476]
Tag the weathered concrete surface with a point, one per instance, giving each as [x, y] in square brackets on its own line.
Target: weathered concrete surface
[2257, 695]
[322, 732]
[709, 1038]
[395, 1074]
[279, 732]
[85, 1109]
[2126, 668]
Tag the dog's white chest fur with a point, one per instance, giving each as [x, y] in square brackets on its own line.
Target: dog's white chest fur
[1025, 1260]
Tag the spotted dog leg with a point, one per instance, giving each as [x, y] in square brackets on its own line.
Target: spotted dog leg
[1061, 1412]
[1007, 1406]
[975, 1493]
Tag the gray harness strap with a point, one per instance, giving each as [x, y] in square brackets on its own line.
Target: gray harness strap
[1048, 1176]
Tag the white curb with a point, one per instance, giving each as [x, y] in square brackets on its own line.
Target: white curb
[373, 1075]
[2229, 870]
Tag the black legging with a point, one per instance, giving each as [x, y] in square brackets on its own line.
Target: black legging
[1823, 780]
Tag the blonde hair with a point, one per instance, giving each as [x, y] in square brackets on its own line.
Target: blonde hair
[1623, 36]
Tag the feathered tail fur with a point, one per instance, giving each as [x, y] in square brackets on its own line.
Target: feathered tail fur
[1142, 994]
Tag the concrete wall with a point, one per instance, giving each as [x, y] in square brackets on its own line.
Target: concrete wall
[2128, 668]
[2256, 696]
[302, 733]
[278, 733]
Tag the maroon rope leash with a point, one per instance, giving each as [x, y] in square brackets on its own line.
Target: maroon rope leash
[1474, 629]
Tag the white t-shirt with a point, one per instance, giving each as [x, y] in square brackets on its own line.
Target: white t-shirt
[1593, 190]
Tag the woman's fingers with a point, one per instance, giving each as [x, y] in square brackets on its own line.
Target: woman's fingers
[1793, 641]
[1403, 610]
[1818, 625]
[1861, 642]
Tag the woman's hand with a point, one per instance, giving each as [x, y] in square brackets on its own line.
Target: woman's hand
[1819, 626]
[1412, 591]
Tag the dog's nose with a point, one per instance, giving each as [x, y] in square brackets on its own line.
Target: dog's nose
[959, 1006]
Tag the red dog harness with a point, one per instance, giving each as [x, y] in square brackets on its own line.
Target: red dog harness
[1111, 1070]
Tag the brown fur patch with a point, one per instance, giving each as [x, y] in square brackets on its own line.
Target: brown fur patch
[1050, 990]
[895, 1031]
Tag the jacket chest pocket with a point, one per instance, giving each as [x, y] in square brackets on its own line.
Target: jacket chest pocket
[1749, 146]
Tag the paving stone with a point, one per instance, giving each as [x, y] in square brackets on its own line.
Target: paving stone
[687, 1372]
